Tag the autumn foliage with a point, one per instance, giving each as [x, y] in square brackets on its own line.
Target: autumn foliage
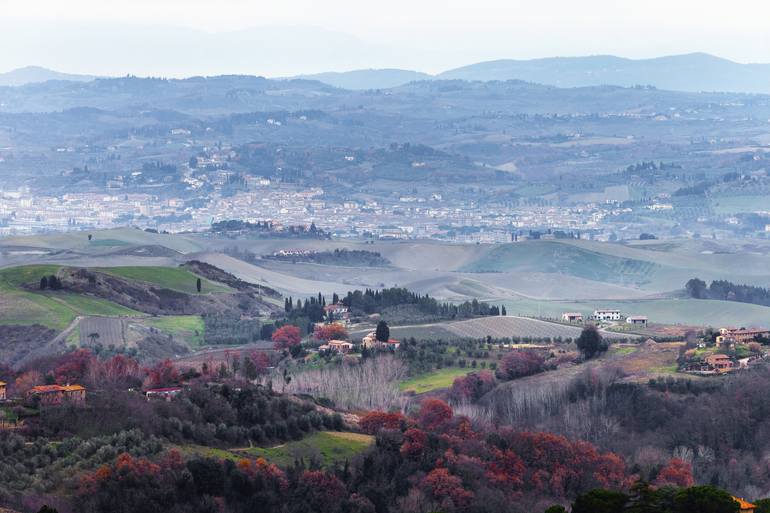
[677, 473]
[162, 374]
[519, 363]
[446, 489]
[332, 331]
[373, 421]
[286, 336]
[434, 413]
[473, 386]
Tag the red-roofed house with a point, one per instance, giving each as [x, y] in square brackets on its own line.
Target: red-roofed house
[54, 395]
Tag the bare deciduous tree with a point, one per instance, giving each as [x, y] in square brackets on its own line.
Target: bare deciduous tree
[372, 385]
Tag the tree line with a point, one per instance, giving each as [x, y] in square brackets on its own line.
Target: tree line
[728, 291]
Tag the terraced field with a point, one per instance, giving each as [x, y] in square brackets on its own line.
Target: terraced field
[107, 331]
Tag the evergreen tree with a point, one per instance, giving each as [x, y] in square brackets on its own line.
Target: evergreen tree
[383, 331]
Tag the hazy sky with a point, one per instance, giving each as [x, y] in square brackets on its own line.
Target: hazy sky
[296, 36]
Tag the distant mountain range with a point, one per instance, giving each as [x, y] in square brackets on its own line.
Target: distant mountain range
[690, 72]
[36, 74]
[369, 78]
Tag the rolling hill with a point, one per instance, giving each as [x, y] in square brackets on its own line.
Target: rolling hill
[36, 74]
[368, 78]
[154, 311]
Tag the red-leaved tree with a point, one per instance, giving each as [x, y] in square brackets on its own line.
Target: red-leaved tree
[73, 367]
[373, 421]
[677, 473]
[518, 364]
[472, 386]
[286, 336]
[434, 413]
[446, 489]
[332, 331]
[163, 374]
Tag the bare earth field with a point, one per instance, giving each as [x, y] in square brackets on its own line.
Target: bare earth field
[532, 278]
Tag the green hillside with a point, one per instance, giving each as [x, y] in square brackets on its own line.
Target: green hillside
[328, 446]
[173, 278]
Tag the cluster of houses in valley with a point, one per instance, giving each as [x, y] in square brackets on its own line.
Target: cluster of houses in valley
[606, 315]
[736, 342]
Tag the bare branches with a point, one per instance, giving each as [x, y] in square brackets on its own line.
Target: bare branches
[372, 385]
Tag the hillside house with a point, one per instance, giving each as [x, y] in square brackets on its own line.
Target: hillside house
[720, 362]
[56, 395]
[740, 336]
[337, 346]
[607, 315]
[3, 388]
[575, 317]
[637, 320]
[370, 342]
[165, 394]
[338, 313]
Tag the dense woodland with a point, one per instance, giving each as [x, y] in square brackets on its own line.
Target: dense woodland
[376, 301]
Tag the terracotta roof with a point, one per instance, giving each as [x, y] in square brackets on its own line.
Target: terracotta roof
[44, 389]
[2, 383]
[744, 504]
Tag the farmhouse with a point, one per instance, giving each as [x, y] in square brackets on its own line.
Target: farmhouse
[607, 315]
[55, 395]
[720, 362]
[2, 391]
[740, 336]
[370, 342]
[572, 317]
[637, 320]
[337, 346]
